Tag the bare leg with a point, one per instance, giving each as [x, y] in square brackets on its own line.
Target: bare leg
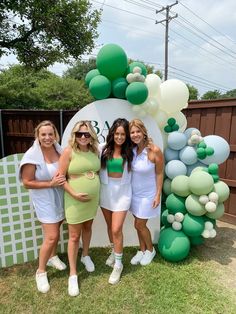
[54, 251]
[117, 233]
[108, 218]
[73, 246]
[51, 236]
[86, 236]
[144, 234]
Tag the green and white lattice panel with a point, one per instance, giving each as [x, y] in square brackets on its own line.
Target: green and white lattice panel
[20, 231]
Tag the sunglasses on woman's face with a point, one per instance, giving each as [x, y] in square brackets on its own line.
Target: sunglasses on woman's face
[80, 134]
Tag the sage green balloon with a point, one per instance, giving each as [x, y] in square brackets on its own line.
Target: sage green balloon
[222, 190]
[219, 212]
[193, 226]
[193, 205]
[175, 204]
[174, 246]
[180, 186]
[201, 182]
[167, 186]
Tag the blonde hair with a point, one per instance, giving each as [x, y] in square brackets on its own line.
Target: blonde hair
[46, 123]
[140, 125]
[93, 145]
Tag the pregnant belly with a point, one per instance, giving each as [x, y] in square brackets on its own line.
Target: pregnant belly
[85, 185]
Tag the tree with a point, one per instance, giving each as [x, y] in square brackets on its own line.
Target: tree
[212, 95]
[42, 32]
[79, 70]
[230, 94]
[193, 92]
[23, 88]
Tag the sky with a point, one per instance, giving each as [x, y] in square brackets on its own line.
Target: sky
[201, 45]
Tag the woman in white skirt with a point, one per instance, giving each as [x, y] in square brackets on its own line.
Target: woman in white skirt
[115, 195]
[147, 181]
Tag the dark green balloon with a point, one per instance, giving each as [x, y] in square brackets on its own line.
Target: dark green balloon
[173, 245]
[196, 240]
[112, 61]
[136, 93]
[171, 121]
[137, 64]
[175, 204]
[193, 226]
[100, 87]
[119, 87]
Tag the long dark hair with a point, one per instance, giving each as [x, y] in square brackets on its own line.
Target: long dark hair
[126, 148]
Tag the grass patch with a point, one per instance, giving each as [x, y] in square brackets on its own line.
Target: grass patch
[190, 286]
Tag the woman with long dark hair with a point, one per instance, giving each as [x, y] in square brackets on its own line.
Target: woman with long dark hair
[115, 194]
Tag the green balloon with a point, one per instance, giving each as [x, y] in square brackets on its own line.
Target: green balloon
[180, 186]
[100, 87]
[164, 221]
[90, 75]
[222, 190]
[136, 93]
[119, 87]
[209, 151]
[112, 61]
[193, 226]
[167, 186]
[175, 127]
[137, 64]
[175, 204]
[201, 182]
[213, 168]
[219, 212]
[168, 129]
[202, 144]
[174, 246]
[171, 121]
[193, 205]
[196, 240]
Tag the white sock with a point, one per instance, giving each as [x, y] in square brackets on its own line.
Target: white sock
[118, 259]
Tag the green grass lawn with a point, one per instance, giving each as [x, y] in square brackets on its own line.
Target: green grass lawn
[161, 287]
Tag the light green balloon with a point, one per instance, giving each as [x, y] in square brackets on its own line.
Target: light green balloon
[193, 226]
[219, 212]
[180, 186]
[201, 182]
[167, 186]
[222, 190]
[193, 205]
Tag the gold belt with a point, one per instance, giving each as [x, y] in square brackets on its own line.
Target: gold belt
[88, 174]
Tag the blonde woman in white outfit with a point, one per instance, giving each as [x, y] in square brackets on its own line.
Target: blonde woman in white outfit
[115, 195]
[39, 174]
[147, 181]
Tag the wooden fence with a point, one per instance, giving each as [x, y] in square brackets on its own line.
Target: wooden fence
[210, 117]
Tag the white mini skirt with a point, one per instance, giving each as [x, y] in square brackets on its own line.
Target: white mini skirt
[115, 196]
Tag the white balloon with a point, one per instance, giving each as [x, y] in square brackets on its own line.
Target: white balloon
[206, 234]
[170, 218]
[176, 225]
[181, 120]
[212, 233]
[137, 70]
[213, 197]
[153, 82]
[161, 118]
[203, 199]
[179, 217]
[210, 207]
[208, 225]
[174, 95]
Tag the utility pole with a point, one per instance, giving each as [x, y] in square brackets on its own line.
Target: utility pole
[167, 20]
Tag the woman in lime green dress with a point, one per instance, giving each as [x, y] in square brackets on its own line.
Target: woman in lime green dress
[80, 163]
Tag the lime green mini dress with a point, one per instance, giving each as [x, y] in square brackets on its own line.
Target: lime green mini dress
[83, 178]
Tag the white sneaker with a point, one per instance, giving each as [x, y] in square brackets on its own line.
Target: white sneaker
[88, 263]
[56, 263]
[148, 257]
[73, 288]
[137, 258]
[111, 260]
[115, 275]
[42, 282]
